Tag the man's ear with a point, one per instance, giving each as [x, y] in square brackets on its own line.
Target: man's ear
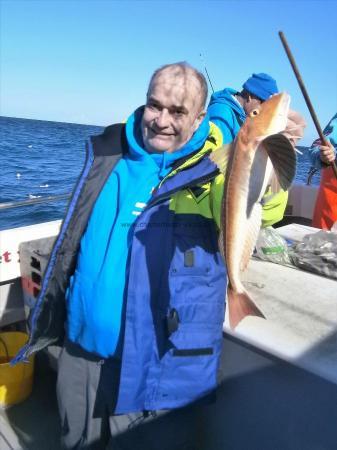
[198, 120]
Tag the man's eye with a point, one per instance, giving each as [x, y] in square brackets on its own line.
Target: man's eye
[179, 113]
[153, 106]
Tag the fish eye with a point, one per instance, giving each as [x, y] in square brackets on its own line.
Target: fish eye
[254, 113]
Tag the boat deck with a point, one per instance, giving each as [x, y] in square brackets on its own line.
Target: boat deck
[301, 312]
[263, 403]
[33, 424]
[278, 377]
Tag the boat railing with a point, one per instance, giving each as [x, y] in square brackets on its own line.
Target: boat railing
[33, 201]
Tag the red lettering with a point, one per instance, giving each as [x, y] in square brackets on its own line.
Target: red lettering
[6, 257]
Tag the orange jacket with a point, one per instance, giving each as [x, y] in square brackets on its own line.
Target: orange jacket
[325, 213]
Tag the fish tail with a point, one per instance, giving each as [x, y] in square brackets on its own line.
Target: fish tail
[240, 305]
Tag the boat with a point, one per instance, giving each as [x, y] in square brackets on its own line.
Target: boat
[277, 377]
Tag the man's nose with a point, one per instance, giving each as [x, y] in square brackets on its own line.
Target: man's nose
[163, 118]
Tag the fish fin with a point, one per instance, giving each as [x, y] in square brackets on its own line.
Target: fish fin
[240, 305]
[283, 158]
[253, 228]
[220, 157]
[274, 183]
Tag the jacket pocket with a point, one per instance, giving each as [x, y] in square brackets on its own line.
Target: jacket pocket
[193, 351]
[189, 368]
[196, 270]
[192, 313]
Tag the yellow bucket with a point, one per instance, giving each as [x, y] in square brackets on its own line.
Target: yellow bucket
[15, 382]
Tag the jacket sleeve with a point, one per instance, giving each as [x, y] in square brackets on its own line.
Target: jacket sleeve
[313, 152]
[314, 157]
[223, 117]
[273, 209]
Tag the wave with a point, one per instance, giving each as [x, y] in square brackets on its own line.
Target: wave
[34, 196]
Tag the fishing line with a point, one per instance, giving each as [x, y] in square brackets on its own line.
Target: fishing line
[208, 77]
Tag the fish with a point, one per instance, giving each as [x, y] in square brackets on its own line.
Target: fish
[259, 157]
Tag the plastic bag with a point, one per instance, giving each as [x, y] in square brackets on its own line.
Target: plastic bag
[317, 253]
[270, 246]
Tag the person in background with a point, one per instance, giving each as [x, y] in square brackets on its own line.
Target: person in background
[321, 157]
[229, 108]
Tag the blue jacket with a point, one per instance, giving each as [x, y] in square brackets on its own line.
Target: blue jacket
[176, 285]
[226, 112]
[331, 132]
[97, 291]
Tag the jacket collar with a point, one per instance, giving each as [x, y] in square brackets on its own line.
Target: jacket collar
[196, 169]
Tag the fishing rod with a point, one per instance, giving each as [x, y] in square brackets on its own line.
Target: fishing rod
[33, 201]
[305, 95]
[208, 77]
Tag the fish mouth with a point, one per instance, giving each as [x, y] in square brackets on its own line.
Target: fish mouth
[279, 121]
[284, 104]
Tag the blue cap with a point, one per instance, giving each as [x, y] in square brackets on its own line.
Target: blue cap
[261, 85]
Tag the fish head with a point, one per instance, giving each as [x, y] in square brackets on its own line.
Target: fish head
[270, 117]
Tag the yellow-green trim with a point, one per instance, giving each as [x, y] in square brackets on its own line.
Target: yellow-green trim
[213, 142]
[206, 199]
[273, 210]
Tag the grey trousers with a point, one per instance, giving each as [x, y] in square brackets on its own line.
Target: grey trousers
[87, 391]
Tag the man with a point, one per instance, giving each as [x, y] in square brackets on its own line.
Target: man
[135, 281]
[321, 156]
[229, 108]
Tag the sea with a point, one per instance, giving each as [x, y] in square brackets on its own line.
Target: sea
[40, 159]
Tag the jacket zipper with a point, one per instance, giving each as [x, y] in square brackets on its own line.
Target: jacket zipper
[195, 182]
[178, 169]
[27, 350]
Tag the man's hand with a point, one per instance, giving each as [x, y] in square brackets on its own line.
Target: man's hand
[327, 153]
[295, 127]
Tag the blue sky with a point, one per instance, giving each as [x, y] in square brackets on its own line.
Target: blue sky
[87, 61]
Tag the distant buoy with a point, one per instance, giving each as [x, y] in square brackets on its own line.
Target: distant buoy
[18, 175]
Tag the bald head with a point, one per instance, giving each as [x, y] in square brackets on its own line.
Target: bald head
[174, 107]
[184, 73]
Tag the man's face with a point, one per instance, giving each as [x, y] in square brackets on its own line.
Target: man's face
[172, 112]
